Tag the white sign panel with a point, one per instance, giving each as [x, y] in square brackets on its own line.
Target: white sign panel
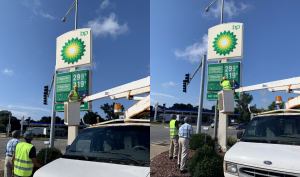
[225, 41]
[74, 49]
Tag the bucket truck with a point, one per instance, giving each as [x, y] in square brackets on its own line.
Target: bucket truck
[270, 145]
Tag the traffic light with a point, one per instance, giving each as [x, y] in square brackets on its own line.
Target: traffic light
[187, 78]
[45, 94]
[184, 86]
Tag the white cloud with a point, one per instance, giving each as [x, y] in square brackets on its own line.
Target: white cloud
[263, 92]
[8, 72]
[264, 100]
[230, 9]
[104, 4]
[27, 108]
[46, 15]
[20, 113]
[193, 53]
[161, 95]
[167, 84]
[35, 6]
[107, 26]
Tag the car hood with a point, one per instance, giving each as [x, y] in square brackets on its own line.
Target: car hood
[72, 168]
[283, 157]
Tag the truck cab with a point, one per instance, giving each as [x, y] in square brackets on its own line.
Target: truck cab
[270, 146]
[119, 147]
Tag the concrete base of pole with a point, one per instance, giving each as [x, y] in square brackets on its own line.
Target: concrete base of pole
[72, 133]
[222, 133]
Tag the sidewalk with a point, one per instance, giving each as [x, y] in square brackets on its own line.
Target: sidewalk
[158, 148]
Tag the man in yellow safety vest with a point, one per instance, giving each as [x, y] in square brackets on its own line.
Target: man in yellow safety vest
[24, 158]
[74, 96]
[173, 152]
[226, 84]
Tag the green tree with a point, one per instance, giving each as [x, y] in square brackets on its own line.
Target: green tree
[15, 123]
[242, 106]
[90, 117]
[2, 128]
[109, 111]
[274, 106]
[48, 119]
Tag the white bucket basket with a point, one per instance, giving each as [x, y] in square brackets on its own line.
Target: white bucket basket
[226, 101]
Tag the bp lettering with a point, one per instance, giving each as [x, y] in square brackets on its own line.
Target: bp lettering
[83, 33]
[236, 27]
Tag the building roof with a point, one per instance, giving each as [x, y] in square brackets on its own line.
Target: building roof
[189, 110]
[48, 124]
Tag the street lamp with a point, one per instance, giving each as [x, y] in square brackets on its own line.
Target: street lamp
[75, 4]
[207, 9]
[215, 119]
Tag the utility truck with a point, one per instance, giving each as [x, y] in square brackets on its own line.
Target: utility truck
[270, 145]
[119, 147]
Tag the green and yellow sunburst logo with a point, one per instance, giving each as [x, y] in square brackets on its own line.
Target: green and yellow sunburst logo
[73, 50]
[224, 43]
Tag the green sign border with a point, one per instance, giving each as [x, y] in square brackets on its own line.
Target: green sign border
[215, 95]
[61, 107]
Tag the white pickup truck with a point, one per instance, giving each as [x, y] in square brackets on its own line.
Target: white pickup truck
[114, 148]
[270, 146]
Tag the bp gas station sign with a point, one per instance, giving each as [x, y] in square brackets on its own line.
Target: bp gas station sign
[65, 82]
[232, 71]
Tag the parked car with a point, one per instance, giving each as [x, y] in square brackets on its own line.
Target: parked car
[240, 126]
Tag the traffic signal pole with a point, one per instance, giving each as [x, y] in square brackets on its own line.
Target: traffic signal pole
[52, 131]
[200, 106]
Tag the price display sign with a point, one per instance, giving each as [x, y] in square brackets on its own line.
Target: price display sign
[216, 72]
[65, 82]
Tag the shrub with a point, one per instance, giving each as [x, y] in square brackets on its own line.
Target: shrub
[210, 166]
[167, 122]
[231, 140]
[197, 141]
[52, 154]
[205, 162]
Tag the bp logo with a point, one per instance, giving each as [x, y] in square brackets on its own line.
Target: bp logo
[224, 43]
[73, 50]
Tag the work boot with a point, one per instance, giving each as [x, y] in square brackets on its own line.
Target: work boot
[183, 171]
[174, 159]
[171, 158]
[179, 166]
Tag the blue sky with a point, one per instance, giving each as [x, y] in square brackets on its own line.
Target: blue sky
[178, 40]
[121, 42]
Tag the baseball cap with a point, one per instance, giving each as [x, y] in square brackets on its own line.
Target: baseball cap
[28, 134]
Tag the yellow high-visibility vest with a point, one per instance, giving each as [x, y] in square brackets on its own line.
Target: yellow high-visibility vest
[173, 129]
[226, 85]
[74, 97]
[23, 165]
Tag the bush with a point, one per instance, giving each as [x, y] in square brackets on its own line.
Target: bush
[197, 141]
[231, 140]
[167, 122]
[52, 154]
[205, 162]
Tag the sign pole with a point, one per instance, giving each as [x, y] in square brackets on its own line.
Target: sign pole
[199, 120]
[52, 131]
[8, 129]
[215, 120]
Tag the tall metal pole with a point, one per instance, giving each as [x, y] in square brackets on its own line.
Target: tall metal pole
[215, 120]
[52, 131]
[199, 120]
[76, 14]
[222, 11]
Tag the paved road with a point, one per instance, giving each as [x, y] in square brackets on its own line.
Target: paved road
[59, 144]
[162, 133]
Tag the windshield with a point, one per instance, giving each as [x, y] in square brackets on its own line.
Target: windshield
[123, 143]
[284, 129]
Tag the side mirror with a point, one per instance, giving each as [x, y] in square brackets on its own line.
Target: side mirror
[67, 147]
[239, 134]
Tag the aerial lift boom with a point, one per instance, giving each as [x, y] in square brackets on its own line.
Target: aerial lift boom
[129, 90]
